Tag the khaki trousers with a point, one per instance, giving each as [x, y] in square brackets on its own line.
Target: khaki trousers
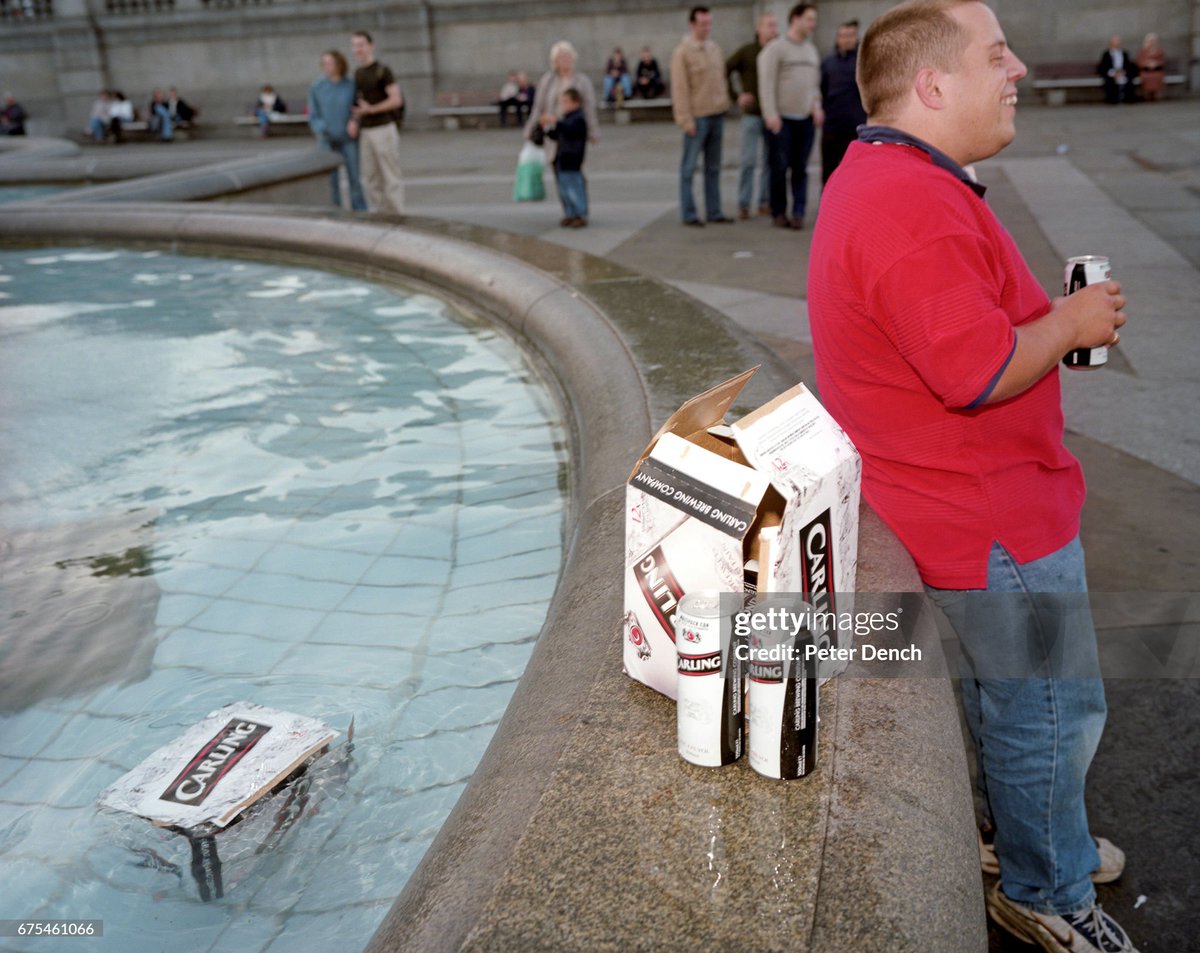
[379, 168]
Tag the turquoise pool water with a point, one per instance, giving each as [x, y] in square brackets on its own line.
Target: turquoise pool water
[223, 480]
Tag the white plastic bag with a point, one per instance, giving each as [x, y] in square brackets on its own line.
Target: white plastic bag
[531, 164]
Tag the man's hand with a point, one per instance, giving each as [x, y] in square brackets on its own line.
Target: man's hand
[1094, 312]
[352, 129]
[773, 124]
[746, 100]
[1088, 318]
[689, 128]
[818, 115]
[360, 108]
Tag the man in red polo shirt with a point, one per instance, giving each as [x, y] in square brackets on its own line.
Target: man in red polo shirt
[938, 352]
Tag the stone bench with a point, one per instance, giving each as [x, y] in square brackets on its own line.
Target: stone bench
[139, 131]
[474, 117]
[475, 111]
[628, 110]
[471, 109]
[1055, 80]
[290, 123]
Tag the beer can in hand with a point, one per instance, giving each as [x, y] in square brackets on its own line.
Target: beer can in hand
[709, 714]
[1082, 271]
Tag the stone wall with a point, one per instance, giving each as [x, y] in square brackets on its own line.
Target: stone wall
[219, 56]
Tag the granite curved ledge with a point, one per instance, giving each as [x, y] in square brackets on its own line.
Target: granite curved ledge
[17, 148]
[143, 179]
[581, 829]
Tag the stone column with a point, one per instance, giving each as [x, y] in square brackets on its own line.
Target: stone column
[80, 65]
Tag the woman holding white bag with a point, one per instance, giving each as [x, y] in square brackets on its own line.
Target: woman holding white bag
[548, 101]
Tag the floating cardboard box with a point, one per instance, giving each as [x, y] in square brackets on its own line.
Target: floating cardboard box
[203, 780]
[218, 775]
[768, 502]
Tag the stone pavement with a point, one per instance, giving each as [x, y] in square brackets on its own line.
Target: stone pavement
[1121, 181]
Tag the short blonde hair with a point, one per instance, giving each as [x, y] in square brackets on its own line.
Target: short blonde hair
[562, 46]
[902, 42]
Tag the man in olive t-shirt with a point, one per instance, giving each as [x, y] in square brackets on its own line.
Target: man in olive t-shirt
[374, 123]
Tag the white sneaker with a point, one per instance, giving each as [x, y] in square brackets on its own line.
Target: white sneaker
[1112, 858]
[1090, 931]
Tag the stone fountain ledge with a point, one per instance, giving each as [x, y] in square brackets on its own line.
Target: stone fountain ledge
[581, 829]
[291, 176]
[29, 151]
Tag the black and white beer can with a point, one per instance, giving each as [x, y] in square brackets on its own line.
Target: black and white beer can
[783, 699]
[1082, 271]
[709, 710]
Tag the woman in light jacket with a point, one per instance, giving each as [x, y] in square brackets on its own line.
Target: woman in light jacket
[546, 101]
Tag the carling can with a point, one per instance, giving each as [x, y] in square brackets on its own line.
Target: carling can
[783, 699]
[1082, 271]
[709, 711]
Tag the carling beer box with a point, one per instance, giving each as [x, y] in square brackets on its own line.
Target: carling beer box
[204, 779]
[768, 502]
[217, 780]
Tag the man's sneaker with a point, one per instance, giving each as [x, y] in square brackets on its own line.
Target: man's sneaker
[1112, 858]
[1091, 931]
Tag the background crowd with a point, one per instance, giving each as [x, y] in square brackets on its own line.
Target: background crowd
[787, 97]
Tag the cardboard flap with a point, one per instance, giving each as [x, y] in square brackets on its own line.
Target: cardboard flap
[768, 408]
[700, 412]
[792, 437]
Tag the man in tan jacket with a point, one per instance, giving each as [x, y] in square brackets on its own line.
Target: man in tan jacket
[699, 100]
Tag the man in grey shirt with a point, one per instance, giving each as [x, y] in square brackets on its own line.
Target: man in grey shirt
[789, 89]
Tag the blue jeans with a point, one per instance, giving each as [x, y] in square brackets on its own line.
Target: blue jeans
[626, 86]
[752, 148]
[98, 127]
[788, 150]
[707, 140]
[572, 192]
[160, 122]
[348, 150]
[1034, 704]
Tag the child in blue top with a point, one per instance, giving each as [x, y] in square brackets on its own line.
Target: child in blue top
[571, 133]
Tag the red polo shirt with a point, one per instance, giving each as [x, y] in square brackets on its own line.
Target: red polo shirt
[914, 289]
